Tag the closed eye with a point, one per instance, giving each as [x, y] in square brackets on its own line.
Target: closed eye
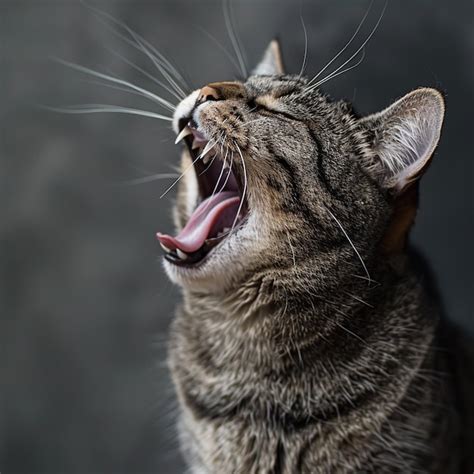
[255, 106]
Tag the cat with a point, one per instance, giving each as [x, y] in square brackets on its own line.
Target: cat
[307, 340]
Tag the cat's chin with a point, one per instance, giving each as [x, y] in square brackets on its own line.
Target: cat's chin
[222, 266]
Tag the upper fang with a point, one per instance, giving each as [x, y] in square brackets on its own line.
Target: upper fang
[184, 133]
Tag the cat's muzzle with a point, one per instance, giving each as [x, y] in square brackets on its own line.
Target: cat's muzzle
[221, 209]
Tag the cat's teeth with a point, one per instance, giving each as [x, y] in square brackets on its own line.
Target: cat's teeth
[206, 159]
[184, 133]
[181, 254]
[225, 230]
[165, 248]
[209, 146]
[195, 145]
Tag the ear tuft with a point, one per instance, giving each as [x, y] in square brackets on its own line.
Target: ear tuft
[404, 137]
[271, 63]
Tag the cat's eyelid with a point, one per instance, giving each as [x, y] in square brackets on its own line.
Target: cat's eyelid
[267, 101]
[270, 104]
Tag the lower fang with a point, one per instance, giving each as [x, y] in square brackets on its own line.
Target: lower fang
[181, 254]
[165, 248]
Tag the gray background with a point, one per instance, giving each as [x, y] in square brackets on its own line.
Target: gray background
[85, 306]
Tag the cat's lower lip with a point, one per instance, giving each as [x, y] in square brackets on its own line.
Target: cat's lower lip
[222, 209]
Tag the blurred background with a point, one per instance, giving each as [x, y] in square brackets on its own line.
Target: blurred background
[85, 305]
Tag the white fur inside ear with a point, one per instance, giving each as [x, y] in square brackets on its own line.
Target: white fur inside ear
[272, 63]
[406, 135]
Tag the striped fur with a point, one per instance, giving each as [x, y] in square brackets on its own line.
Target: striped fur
[303, 345]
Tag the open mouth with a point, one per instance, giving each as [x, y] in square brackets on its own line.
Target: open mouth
[221, 209]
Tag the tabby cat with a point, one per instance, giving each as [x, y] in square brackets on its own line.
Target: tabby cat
[307, 340]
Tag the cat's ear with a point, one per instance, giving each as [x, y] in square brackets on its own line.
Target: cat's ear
[271, 62]
[404, 137]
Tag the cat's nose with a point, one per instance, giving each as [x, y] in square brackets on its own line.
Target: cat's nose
[208, 93]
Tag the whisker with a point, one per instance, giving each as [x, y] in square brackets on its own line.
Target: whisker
[181, 175]
[370, 280]
[148, 179]
[104, 108]
[229, 173]
[237, 36]
[244, 193]
[146, 74]
[346, 45]
[357, 298]
[208, 166]
[233, 37]
[361, 47]
[333, 75]
[217, 183]
[116, 80]
[305, 55]
[254, 120]
[139, 43]
[159, 65]
[221, 47]
[219, 138]
[111, 86]
[352, 245]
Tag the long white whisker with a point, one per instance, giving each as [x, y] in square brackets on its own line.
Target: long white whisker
[217, 183]
[305, 55]
[181, 175]
[352, 245]
[236, 33]
[333, 75]
[233, 38]
[357, 298]
[345, 46]
[148, 179]
[244, 192]
[103, 108]
[159, 65]
[221, 47]
[374, 29]
[112, 86]
[254, 120]
[147, 74]
[138, 43]
[209, 165]
[229, 173]
[218, 139]
[116, 80]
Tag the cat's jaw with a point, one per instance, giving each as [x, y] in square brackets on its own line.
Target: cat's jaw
[224, 265]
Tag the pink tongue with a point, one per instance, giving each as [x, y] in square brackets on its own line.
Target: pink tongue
[202, 221]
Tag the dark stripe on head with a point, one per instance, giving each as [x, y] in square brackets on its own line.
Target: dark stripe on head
[321, 168]
[296, 203]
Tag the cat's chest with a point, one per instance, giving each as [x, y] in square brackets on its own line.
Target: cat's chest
[233, 445]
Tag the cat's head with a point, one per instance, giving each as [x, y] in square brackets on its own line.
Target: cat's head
[278, 177]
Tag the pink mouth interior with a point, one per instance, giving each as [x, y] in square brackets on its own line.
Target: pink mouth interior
[213, 215]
